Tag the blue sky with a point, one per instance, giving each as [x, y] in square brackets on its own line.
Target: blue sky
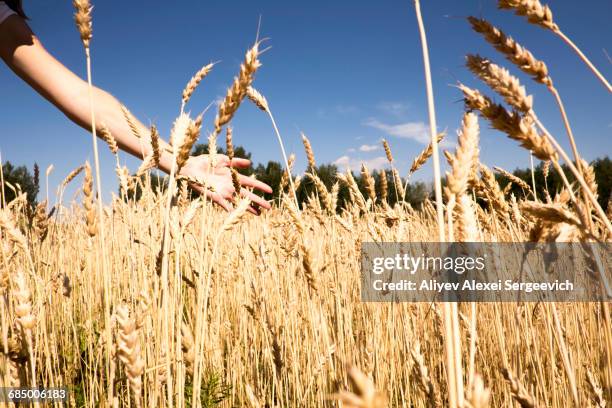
[346, 73]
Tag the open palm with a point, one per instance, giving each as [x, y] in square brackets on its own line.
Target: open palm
[219, 181]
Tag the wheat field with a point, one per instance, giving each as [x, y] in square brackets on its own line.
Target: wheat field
[166, 300]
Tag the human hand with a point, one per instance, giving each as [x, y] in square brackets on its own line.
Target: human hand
[219, 181]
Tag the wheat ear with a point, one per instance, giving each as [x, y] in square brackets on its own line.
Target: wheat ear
[369, 182]
[7, 224]
[72, 175]
[106, 135]
[323, 192]
[384, 186]
[364, 393]
[82, 17]
[229, 146]
[193, 84]
[501, 81]
[519, 182]
[541, 15]
[519, 392]
[90, 212]
[467, 152]
[128, 347]
[258, 99]
[513, 124]
[512, 50]
[422, 157]
[312, 165]
[387, 150]
[191, 136]
[25, 318]
[238, 90]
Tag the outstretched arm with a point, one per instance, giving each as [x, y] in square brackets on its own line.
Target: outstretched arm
[25, 55]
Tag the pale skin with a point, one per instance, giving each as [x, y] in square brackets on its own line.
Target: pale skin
[21, 50]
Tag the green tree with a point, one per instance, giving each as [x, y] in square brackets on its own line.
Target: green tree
[19, 177]
[270, 174]
[554, 183]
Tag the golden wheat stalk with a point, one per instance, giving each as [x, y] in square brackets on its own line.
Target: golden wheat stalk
[237, 92]
[467, 152]
[369, 183]
[425, 154]
[519, 392]
[513, 124]
[106, 135]
[387, 150]
[513, 179]
[193, 84]
[191, 136]
[129, 118]
[501, 81]
[324, 194]
[541, 15]
[287, 173]
[88, 202]
[312, 164]
[258, 99]
[82, 17]
[512, 50]
[364, 393]
[384, 185]
[25, 318]
[229, 147]
[129, 352]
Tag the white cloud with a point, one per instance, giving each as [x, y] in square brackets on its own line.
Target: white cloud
[351, 150]
[342, 161]
[393, 108]
[347, 162]
[368, 148]
[417, 131]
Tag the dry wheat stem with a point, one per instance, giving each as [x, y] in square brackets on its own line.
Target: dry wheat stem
[451, 339]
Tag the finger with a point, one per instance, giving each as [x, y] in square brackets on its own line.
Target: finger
[255, 198]
[219, 200]
[240, 163]
[251, 182]
[254, 210]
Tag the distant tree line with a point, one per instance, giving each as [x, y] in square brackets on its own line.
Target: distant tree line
[271, 173]
[603, 177]
[20, 178]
